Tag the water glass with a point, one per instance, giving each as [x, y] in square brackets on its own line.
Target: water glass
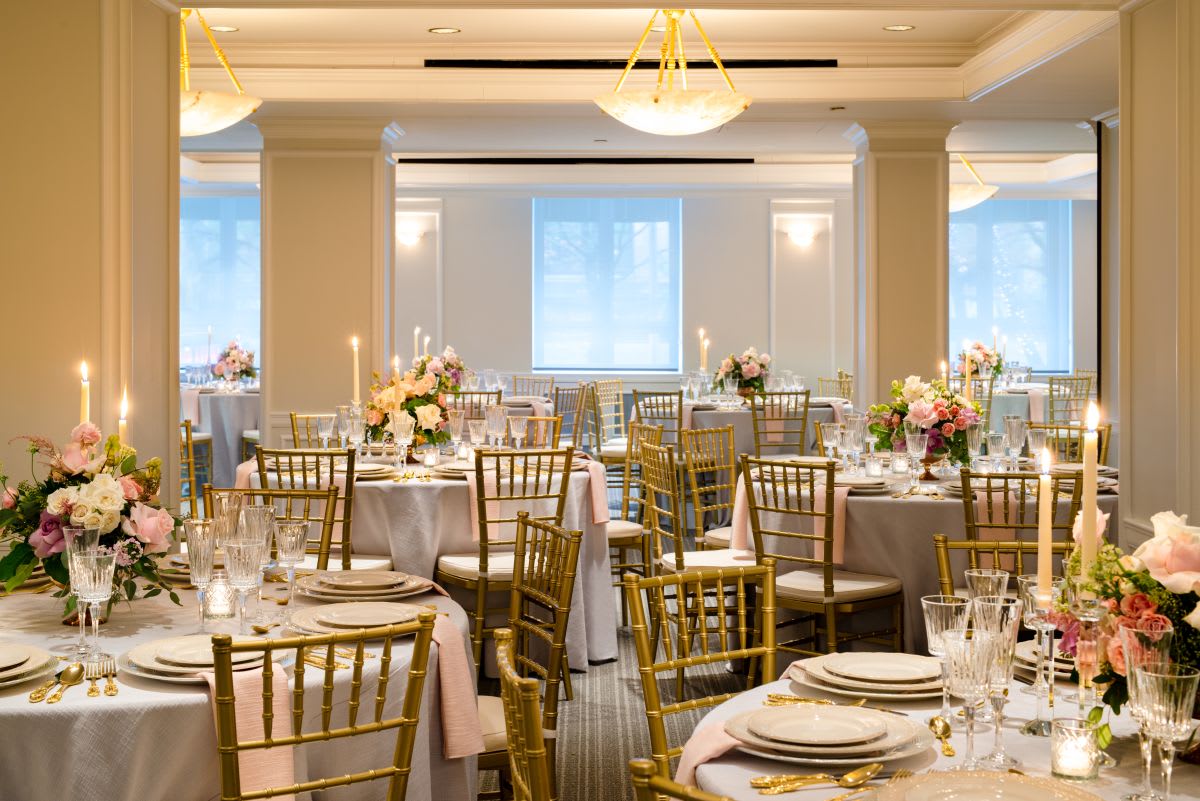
[92, 583]
[943, 613]
[1168, 697]
[999, 616]
[969, 660]
[489, 380]
[730, 383]
[343, 422]
[1037, 616]
[974, 441]
[456, 420]
[243, 559]
[1014, 437]
[855, 428]
[478, 431]
[1035, 438]
[472, 382]
[291, 539]
[997, 444]
[918, 446]
[200, 536]
[325, 424]
[402, 425]
[831, 436]
[986, 581]
[497, 422]
[227, 509]
[517, 427]
[1141, 645]
[79, 541]
[357, 429]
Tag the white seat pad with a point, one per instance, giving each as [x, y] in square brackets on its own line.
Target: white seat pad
[612, 448]
[621, 529]
[721, 558]
[491, 721]
[719, 536]
[808, 585]
[466, 565]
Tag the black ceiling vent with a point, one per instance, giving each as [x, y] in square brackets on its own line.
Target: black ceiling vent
[619, 64]
[572, 160]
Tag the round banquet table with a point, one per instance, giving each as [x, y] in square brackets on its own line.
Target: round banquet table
[225, 416]
[418, 521]
[158, 740]
[729, 775]
[743, 427]
[1005, 404]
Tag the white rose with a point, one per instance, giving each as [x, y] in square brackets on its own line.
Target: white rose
[109, 520]
[93, 519]
[914, 389]
[61, 499]
[1193, 618]
[1166, 522]
[79, 513]
[429, 416]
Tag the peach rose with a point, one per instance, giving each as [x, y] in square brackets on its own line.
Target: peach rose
[1101, 525]
[1115, 653]
[1138, 604]
[9, 499]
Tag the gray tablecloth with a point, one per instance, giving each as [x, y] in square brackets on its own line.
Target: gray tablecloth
[156, 740]
[1006, 403]
[226, 416]
[743, 426]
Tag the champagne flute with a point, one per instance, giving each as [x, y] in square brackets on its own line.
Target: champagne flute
[1168, 696]
[517, 427]
[918, 445]
[201, 539]
[969, 658]
[80, 540]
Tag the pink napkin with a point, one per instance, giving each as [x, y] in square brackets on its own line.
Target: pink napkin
[462, 735]
[189, 401]
[705, 744]
[542, 408]
[1008, 561]
[686, 421]
[241, 476]
[1037, 405]
[839, 412]
[261, 768]
[739, 537]
[493, 507]
[598, 484]
[774, 425]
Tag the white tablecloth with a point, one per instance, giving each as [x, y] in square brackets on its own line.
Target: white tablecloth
[1005, 404]
[730, 775]
[158, 741]
[743, 426]
[225, 416]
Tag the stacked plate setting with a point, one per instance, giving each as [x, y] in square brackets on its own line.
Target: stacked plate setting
[815, 734]
[523, 401]
[875, 676]
[361, 585]
[368, 471]
[182, 660]
[453, 471]
[351, 617]
[862, 485]
[22, 663]
[1025, 661]
[175, 568]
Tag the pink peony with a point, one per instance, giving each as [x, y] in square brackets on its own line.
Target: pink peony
[1137, 605]
[922, 413]
[948, 430]
[1172, 556]
[751, 370]
[151, 526]
[85, 434]
[48, 539]
[435, 366]
[9, 499]
[219, 368]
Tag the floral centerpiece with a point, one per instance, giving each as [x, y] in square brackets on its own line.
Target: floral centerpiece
[938, 412]
[750, 369]
[234, 362]
[421, 393]
[985, 361]
[90, 483]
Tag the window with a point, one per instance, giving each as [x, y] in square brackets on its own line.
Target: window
[219, 270]
[606, 284]
[1011, 268]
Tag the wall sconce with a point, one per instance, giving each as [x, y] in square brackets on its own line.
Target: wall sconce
[802, 234]
[409, 233]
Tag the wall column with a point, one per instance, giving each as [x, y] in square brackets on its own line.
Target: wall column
[328, 216]
[901, 180]
[1159, 263]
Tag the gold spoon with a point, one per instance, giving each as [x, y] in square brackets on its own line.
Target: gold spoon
[72, 674]
[44, 690]
[941, 730]
[854, 778]
[263, 629]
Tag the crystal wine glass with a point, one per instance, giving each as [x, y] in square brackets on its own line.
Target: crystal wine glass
[1014, 438]
[291, 538]
[497, 419]
[478, 431]
[227, 508]
[969, 659]
[730, 384]
[503, 382]
[325, 424]
[517, 426]
[1038, 606]
[456, 421]
[943, 613]
[1001, 617]
[1142, 644]
[1086, 607]
[1036, 439]
[986, 581]
[92, 582]
[402, 425]
[855, 426]
[831, 435]
[974, 442]
[997, 445]
[78, 541]
[1168, 696]
[918, 446]
[201, 539]
[242, 559]
[489, 380]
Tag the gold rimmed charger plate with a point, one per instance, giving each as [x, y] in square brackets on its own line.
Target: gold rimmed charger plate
[800, 676]
[13, 656]
[312, 585]
[363, 579]
[922, 741]
[38, 659]
[883, 668]
[304, 620]
[817, 725]
[365, 614]
[195, 651]
[43, 669]
[815, 667]
[900, 732]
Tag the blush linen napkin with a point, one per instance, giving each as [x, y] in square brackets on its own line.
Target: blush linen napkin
[598, 485]
[261, 768]
[739, 538]
[995, 515]
[1037, 405]
[705, 744]
[461, 733]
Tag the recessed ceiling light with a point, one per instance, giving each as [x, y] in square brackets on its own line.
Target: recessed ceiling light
[899, 28]
[445, 31]
[224, 28]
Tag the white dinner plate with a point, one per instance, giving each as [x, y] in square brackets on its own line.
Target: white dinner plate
[365, 469]
[1026, 651]
[922, 741]
[127, 666]
[816, 668]
[825, 401]
[866, 482]
[900, 732]
[143, 658]
[313, 585]
[1077, 467]
[195, 651]
[36, 658]
[523, 400]
[12, 656]
[366, 614]
[883, 668]
[42, 670]
[797, 674]
[364, 579]
[882, 490]
[980, 785]
[816, 724]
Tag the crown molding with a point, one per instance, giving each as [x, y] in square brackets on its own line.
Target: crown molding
[777, 5]
[895, 136]
[1110, 118]
[359, 133]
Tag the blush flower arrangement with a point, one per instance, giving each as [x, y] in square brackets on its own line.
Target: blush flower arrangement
[91, 482]
[984, 361]
[234, 362]
[940, 413]
[751, 370]
[421, 393]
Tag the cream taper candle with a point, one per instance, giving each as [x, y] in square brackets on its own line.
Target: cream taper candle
[85, 394]
[1087, 505]
[122, 422]
[354, 346]
[1045, 539]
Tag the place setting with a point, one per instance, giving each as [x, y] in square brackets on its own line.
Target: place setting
[184, 660]
[355, 616]
[361, 585]
[20, 663]
[873, 676]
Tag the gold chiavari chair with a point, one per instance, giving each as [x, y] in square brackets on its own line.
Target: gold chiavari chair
[571, 404]
[981, 393]
[1020, 554]
[741, 625]
[284, 733]
[305, 433]
[530, 761]
[819, 439]
[507, 482]
[840, 387]
[664, 517]
[540, 432]
[1093, 377]
[626, 531]
[649, 786]
[780, 421]
[534, 386]
[545, 563]
[187, 471]
[473, 402]
[317, 507]
[308, 468]
[711, 468]
[608, 420]
[1065, 440]
[1004, 506]
[789, 525]
[1068, 398]
[662, 409]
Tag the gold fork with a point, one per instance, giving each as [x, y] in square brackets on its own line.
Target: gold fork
[903, 773]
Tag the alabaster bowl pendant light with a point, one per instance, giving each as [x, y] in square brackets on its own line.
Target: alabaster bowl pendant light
[671, 108]
[203, 111]
[964, 196]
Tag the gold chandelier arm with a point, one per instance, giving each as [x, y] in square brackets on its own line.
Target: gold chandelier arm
[637, 51]
[712, 52]
[185, 65]
[672, 59]
[967, 164]
[212, 40]
[662, 55]
[680, 55]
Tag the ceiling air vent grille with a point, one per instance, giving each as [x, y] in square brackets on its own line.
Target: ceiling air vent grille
[619, 64]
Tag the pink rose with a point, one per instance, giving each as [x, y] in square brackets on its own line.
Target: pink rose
[9, 499]
[1172, 556]
[151, 526]
[76, 459]
[48, 539]
[961, 423]
[374, 417]
[1101, 525]
[751, 370]
[726, 365]
[219, 368]
[1116, 655]
[85, 434]
[130, 488]
[435, 366]
[943, 413]
[1155, 625]
[948, 430]
[1137, 605]
[441, 399]
[922, 413]
[1110, 605]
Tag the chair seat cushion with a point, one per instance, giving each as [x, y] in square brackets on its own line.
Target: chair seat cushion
[614, 448]
[623, 529]
[808, 585]
[466, 565]
[491, 721]
[250, 435]
[719, 536]
[721, 558]
[201, 436]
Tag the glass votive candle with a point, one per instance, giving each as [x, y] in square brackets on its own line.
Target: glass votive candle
[1074, 753]
[219, 599]
[900, 463]
[431, 457]
[874, 466]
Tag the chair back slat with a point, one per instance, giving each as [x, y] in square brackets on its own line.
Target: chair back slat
[780, 422]
[1065, 440]
[571, 405]
[981, 393]
[474, 403]
[306, 432]
[1068, 399]
[528, 755]
[510, 482]
[188, 491]
[712, 471]
[314, 468]
[608, 411]
[1004, 506]
[662, 409]
[1018, 555]
[536, 386]
[664, 519]
[633, 492]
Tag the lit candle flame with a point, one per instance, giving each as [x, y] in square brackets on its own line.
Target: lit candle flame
[354, 342]
[1045, 460]
[124, 403]
[417, 331]
[944, 368]
[1093, 416]
[706, 343]
[83, 370]
[702, 333]
[396, 363]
